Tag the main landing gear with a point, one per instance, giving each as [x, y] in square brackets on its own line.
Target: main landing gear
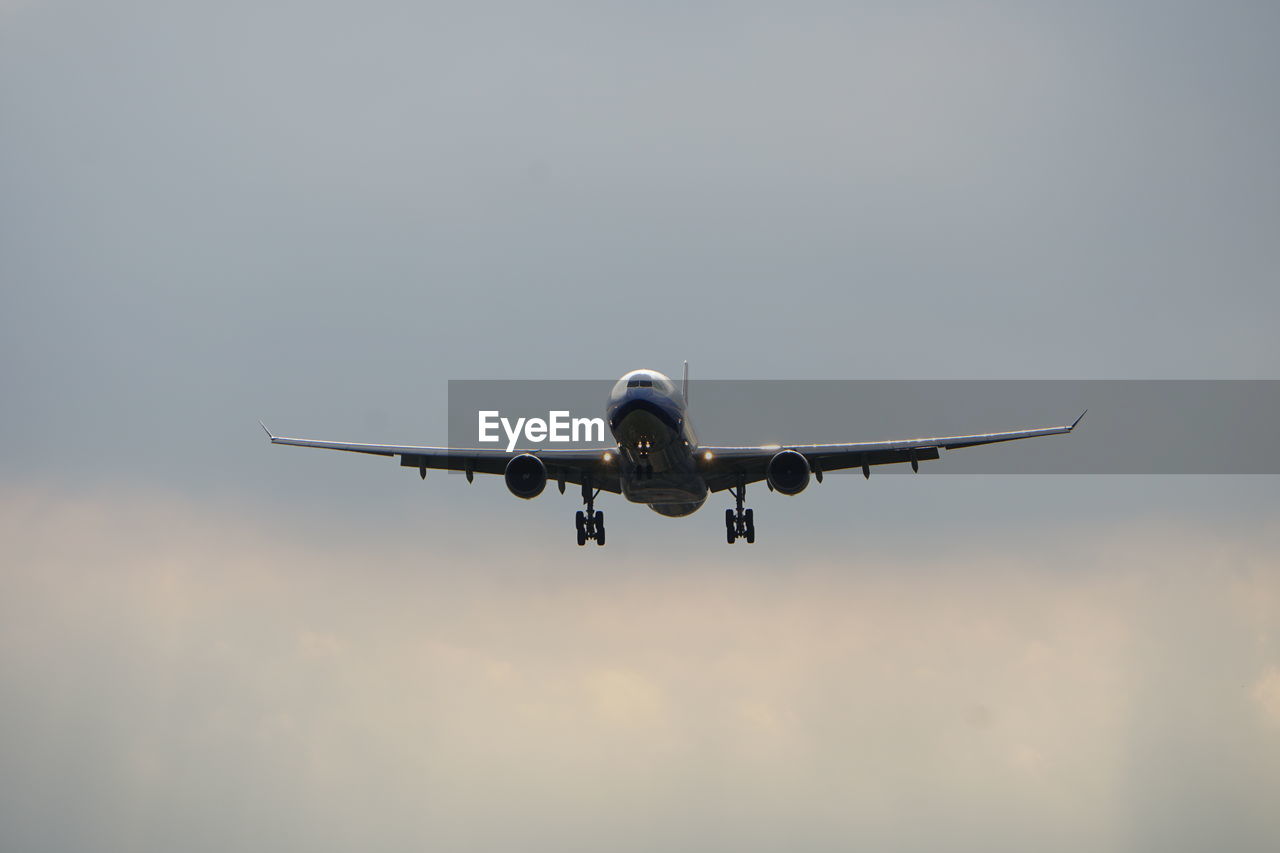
[591, 522]
[739, 523]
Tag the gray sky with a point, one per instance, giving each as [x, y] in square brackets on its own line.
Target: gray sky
[319, 213]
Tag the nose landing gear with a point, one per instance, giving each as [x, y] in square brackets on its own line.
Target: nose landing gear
[739, 523]
[590, 523]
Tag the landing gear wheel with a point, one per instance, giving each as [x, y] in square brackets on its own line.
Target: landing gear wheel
[589, 522]
[739, 523]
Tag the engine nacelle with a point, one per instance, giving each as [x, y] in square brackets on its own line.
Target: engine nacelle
[788, 472]
[526, 476]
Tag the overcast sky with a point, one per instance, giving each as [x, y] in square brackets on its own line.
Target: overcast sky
[318, 213]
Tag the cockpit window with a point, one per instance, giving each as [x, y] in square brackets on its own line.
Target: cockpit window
[649, 379]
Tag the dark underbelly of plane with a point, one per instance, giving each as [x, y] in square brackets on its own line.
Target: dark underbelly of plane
[675, 510]
[669, 488]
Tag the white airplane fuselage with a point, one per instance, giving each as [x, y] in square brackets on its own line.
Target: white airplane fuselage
[649, 420]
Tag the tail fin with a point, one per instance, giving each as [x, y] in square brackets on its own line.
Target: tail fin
[684, 388]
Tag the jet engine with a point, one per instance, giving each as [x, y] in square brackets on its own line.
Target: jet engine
[788, 472]
[526, 476]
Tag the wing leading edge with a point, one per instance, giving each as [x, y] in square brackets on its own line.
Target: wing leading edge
[569, 466]
[727, 467]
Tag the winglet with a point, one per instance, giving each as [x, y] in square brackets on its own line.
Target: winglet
[267, 431]
[1079, 419]
[684, 387]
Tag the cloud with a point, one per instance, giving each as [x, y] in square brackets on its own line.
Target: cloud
[174, 672]
[1267, 692]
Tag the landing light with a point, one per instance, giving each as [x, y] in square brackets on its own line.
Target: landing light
[608, 457]
[708, 456]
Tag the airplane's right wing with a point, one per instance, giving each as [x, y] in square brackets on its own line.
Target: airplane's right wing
[727, 467]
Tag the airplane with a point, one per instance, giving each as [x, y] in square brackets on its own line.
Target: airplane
[657, 460]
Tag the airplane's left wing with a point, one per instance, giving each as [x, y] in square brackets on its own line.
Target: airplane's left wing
[727, 467]
[568, 466]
